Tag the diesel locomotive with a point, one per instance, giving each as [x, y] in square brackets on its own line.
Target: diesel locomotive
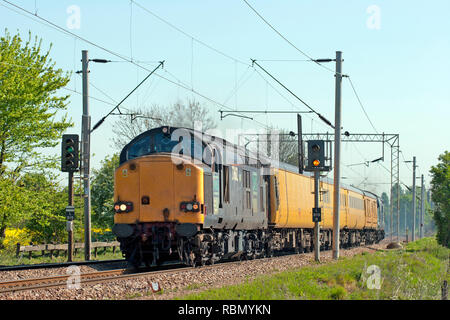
[183, 195]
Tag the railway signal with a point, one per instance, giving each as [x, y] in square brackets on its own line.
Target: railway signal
[316, 156]
[316, 163]
[70, 162]
[69, 153]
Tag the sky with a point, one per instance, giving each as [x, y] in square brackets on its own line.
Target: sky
[395, 52]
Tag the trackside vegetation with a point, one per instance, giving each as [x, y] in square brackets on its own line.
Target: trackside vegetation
[414, 272]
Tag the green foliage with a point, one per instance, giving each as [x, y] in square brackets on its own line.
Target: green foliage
[47, 218]
[13, 199]
[36, 202]
[338, 293]
[440, 188]
[28, 103]
[29, 194]
[406, 207]
[102, 192]
[10, 259]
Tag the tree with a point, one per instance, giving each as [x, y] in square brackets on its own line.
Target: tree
[178, 115]
[440, 194]
[288, 151]
[284, 147]
[28, 103]
[102, 190]
[46, 203]
[12, 202]
[35, 201]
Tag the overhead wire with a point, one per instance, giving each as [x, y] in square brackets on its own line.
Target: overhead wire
[284, 97]
[312, 60]
[55, 26]
[293, 94]
[306, 55]
[284, 38]
[209, 46]
[187, 34]
[361, 104]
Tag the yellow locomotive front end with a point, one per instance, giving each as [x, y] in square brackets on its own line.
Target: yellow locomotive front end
[157, 197]
[159, 191]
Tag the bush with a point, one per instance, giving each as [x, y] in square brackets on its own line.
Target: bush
[338, 293]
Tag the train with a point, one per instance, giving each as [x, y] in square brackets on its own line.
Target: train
[183, 195]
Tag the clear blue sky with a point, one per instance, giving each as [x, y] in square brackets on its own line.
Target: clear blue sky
[401, 70]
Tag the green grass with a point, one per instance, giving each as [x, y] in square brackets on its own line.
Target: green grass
[9, 258]
[416, 272]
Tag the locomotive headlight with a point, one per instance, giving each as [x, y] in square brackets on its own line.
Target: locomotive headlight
[123, 207]
[190, 206]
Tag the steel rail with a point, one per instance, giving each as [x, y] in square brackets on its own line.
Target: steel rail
[59, 281]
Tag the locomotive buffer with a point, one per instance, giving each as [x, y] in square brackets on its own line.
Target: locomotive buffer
[316, 164]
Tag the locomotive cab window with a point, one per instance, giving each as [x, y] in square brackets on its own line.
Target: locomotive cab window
[158, 142]
[139, 148]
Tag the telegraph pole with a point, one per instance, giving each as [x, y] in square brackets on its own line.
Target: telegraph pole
[413, 236]
[406, 222]
[86, 136]
[337, 155]
[300, 144]
[422, 201]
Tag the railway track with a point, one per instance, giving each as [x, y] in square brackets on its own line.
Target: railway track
[59, 281]
[91, 278]
[59, 265]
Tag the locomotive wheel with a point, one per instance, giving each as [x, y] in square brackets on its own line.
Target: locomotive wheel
[135, 258]
[269, 252]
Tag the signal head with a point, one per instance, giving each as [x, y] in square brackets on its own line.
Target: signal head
[69, 153]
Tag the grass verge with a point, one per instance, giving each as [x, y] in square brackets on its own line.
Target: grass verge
[413, 273]
[10, 259]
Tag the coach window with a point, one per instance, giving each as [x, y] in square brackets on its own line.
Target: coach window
[254, 185]
[226, 184]
[277, 193]
[247, 190]
[261, 194]
[220, 185]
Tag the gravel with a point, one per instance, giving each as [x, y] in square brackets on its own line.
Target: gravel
[173, 284]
